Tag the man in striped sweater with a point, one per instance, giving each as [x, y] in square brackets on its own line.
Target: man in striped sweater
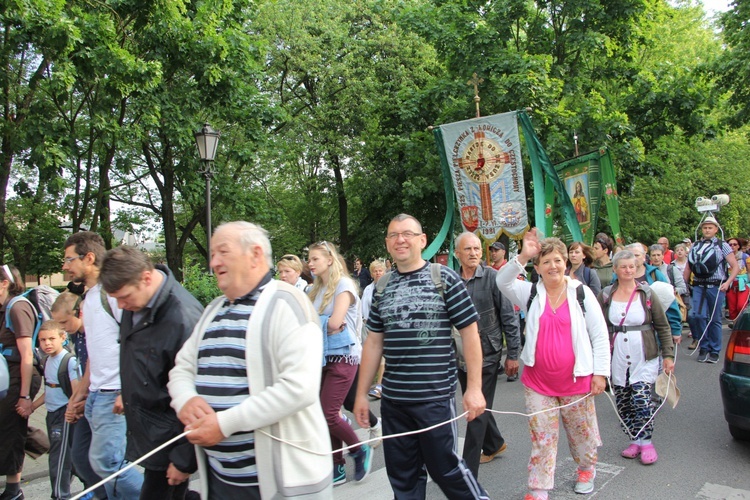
[246, 383]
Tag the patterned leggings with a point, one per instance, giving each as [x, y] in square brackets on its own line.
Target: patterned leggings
[581, 428]
[635, 408]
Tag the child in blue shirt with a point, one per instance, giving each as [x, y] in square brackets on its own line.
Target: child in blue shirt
[59, 364]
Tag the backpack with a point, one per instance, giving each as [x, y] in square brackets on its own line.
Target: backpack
[437, 280]
[41, 299]
[4, 377]
[704, 259]
[63, 377]
[580, 296]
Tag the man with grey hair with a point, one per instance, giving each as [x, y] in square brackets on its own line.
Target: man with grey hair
[158, 316]
[496, 315]
[249, 378]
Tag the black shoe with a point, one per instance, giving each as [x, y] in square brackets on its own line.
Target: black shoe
[713, 358]
[512, 378]
[12, 496]
[703, 357]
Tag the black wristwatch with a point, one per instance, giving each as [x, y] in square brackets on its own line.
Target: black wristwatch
[24, 397]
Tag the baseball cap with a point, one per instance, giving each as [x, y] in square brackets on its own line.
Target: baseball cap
[687, 241]
[497, 246]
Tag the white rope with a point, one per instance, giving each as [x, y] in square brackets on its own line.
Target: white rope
[130, 465]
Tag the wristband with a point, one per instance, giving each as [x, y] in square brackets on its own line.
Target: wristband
[25, 397]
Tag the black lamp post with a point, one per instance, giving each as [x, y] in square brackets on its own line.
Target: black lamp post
[207, 140]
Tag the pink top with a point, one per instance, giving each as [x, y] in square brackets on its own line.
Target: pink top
[552, 373]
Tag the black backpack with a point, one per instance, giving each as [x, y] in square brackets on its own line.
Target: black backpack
[63, 378]
[580, 296]
[705, 258]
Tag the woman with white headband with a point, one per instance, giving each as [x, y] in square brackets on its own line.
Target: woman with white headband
[16, 340]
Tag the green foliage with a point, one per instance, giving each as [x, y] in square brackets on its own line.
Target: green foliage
[200, 284]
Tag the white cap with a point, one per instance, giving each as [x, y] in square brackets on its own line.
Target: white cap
[710, 220]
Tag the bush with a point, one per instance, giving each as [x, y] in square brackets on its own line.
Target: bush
[201, 284]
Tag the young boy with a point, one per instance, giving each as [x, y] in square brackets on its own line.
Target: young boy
[51, 338]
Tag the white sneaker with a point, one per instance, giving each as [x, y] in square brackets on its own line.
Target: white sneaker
[376, 431]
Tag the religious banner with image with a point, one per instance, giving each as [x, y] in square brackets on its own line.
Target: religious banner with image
[484, 157]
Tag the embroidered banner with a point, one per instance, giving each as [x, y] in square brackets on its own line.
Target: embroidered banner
[484, 157]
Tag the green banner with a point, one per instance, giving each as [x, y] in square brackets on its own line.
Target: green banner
[446, 231]
[542, 172]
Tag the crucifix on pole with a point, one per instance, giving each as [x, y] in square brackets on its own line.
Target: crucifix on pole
[476, 82]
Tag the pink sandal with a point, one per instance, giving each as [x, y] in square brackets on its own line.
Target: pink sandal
[648, 454]
[631, 451]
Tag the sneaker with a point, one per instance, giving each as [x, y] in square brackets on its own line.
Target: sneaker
[702, 357]
[489, 458]
[693, 345]
[512, 378]
[339, 474]
[376, 391]
[12, 496]
[713, 358]
[362, 462]
[376, 432]
[585, 481]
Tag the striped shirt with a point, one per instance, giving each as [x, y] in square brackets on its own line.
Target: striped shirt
[416, 324]
[222, 381]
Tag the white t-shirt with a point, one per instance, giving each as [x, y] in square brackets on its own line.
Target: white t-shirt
[102, 335]
[352, 319]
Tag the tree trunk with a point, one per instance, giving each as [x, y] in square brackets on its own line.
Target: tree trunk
[345, 244]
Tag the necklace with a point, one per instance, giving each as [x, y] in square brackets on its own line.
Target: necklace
[552, 304]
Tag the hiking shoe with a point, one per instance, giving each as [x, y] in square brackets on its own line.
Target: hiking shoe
[376, 432]
[585, 481]
[713, 358]
[339, 474]
[489, 458]
[693, 345]
[12, 496]
[362, 462]
[703, 357]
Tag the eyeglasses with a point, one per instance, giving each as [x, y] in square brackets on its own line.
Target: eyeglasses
[289, 257]
[68, 260]
[407, 235]
[734, 244]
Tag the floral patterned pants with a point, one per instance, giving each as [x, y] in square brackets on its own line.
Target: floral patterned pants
[581, 427]
[635, 407]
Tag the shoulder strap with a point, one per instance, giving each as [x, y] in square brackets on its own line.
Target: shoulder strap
[63, 377]
[383, 282]
[581, 295]
[105, 303]
[437, 279]
[531, 296]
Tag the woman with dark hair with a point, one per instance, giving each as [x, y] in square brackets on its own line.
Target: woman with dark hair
[602, 249]
[740, 290]
[580, 258]
[18, 350]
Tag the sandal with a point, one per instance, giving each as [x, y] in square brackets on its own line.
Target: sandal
[648, 454]
[631, 451]
[376, 392]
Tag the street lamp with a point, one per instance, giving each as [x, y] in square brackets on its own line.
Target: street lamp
[207, 140]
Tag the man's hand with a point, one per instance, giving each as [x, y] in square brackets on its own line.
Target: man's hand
[361, 411]
[598, 383]
[668, 365]
[118, 408]
[205, 431]
[74, 411]
[725, 286]
[195, 409]
[676, 339]
[511, 367]
[474, 403]
[175, 476]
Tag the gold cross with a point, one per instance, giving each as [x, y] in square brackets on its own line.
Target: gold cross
[476, 82]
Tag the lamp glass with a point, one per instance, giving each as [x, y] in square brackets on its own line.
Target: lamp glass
[207, 141]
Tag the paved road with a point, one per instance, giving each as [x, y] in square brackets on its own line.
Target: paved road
[697, 456]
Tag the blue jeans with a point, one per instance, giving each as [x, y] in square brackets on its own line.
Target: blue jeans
[107, 450]
[80, 457]
[707, 310]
